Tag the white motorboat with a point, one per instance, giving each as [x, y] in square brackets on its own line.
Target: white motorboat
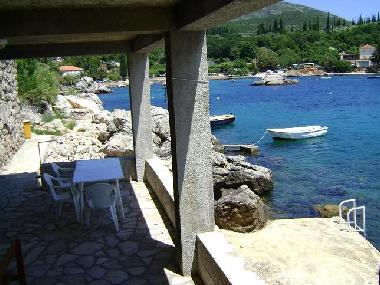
[298, 133]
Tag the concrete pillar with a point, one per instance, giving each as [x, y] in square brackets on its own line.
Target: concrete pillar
[139, 90]
[188, 102]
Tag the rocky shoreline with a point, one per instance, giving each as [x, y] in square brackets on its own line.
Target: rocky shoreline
[87, 131]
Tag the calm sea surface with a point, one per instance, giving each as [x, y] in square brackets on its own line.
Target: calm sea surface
[344, 164]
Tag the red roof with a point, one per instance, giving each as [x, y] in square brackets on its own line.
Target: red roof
[65, 68]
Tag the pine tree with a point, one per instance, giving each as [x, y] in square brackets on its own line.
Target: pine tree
[373, 18]
[304, 26]
[361, 21]
[275, 26]
[378, 16]
[318, 23]
[328, 23]
[282, 27]
[123, 66]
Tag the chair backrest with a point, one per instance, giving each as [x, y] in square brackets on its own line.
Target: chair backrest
[50, 180]
[99, 195]
[55, 168]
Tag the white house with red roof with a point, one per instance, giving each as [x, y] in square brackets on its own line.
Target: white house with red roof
[70, 70]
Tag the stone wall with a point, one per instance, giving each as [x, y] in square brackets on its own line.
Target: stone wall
[11, 133]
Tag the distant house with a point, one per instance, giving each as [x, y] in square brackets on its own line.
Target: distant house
[365, 54]
[70, 70]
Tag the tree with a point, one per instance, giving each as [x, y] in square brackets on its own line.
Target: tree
[37, 82]
[318, 27]
[282, 26]
[304, 28]
[328, 23]
[360, 21]
[266, 58]
[288, 57]
[123, 66]
[275, 26]
[376, 56]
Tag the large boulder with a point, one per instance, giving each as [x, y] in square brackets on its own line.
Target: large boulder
[98, 131]
[235, 171]
[74, 146]
[88, 85]
[240, 210]
[120, 144]
[84, 104]
[329, 211]
[122, 121]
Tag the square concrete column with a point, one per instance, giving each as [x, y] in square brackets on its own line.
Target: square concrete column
[139, 92]
[188, 102]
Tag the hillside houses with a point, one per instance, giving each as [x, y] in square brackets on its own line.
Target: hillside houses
[365, 54]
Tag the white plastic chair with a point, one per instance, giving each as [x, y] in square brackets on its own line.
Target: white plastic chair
[101, 196]
[62, 172]
[62, 192]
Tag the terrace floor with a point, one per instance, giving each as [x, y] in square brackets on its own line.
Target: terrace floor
[61, 251]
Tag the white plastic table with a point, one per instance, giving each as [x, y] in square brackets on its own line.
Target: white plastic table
[96, 170]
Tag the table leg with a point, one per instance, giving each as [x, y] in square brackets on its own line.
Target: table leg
[120, 208]
[81, 202]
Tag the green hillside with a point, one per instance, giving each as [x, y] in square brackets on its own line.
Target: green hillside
[293, 16]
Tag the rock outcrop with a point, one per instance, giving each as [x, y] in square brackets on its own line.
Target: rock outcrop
[87, 84]
[235, 171]
[274, 79]
[240, 210]
[329, 211]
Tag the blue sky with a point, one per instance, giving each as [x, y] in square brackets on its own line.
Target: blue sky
[345, 8]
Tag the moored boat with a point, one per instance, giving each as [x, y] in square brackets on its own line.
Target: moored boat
[221, 120]
[326, 77]
[298, 133]
[374, 77]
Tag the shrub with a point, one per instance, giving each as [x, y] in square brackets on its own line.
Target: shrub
[37, 82]
[69, 80]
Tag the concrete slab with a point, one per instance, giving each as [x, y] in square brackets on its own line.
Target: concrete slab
[308, 251]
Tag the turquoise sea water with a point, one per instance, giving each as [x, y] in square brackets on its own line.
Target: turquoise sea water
[344, 164]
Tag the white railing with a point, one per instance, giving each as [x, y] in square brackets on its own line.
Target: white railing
[353, 211]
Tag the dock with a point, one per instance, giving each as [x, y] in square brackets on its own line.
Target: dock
[245, 148]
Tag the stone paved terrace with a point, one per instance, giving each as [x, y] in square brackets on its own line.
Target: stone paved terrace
[308, 251]
[65, 252]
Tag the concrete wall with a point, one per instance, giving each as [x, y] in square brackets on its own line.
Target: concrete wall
[11, 133]
[160, 179]
[219, 264]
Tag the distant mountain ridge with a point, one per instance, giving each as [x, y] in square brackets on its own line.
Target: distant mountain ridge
[293, 15]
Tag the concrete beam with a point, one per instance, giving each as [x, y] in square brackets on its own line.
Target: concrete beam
[52, 50]
[199, 15]
[71, 22]
[188, 101]
[146, 43]
[139, 90]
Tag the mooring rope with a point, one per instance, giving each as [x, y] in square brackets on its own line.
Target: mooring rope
[257, 143]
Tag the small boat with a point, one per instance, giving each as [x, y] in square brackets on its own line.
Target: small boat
[374, 77]
[325, 77]
[298, 133]
[221, 120]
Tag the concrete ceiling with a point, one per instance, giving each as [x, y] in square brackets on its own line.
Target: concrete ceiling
[43, 4]
[67, 27]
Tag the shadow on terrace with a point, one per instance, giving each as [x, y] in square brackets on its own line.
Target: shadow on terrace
[62, 251]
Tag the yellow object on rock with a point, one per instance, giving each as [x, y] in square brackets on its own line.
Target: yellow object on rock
[27, 129]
